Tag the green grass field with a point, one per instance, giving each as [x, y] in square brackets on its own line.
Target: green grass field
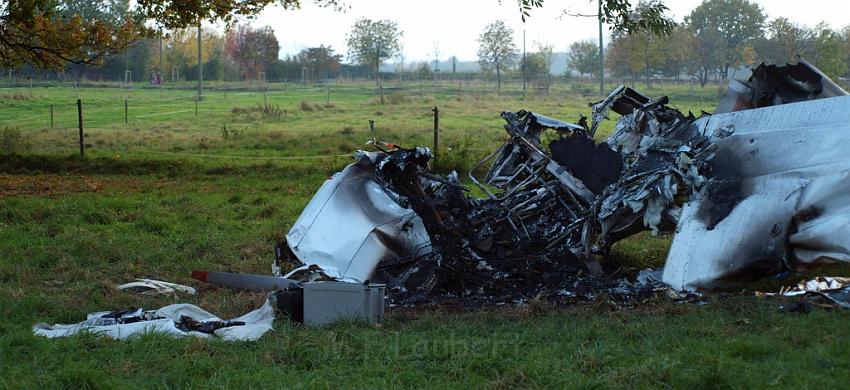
[169, 192]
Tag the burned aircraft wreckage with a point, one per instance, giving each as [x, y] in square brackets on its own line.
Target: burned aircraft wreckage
[757, 188]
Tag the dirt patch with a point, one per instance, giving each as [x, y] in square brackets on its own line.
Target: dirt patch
[47, 185]
[52, 185]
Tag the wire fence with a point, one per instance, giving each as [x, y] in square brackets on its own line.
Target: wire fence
[112, 118]
[146, 120]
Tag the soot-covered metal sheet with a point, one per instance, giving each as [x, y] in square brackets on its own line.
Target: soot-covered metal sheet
[352, 223]
[776, 199]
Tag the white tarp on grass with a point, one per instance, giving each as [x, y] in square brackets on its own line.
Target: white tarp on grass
[165, 320]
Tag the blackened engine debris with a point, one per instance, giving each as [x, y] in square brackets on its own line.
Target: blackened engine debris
[596, 165]
[547, 216]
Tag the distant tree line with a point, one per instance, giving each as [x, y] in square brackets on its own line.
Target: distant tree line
[243, 53]
[717, 37]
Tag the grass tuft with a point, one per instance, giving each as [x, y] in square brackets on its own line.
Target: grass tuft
[12, 140]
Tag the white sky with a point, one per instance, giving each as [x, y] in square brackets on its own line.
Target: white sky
[455, 24]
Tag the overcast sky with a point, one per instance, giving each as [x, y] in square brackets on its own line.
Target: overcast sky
[454, 25]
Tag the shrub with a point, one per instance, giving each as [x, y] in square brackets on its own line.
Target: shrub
[260, 111]
[307, 107]
[397, 98]
[12, 140]
[14, 96]
[269, 111]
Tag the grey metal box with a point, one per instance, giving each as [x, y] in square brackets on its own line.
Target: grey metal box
[375, 303]
[327, 302]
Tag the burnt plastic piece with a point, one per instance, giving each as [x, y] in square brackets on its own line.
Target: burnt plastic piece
[291, 303]
[126, 316]
[801, 307]
[188, 324]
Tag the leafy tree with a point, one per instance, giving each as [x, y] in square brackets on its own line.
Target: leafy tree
[496, 49]
[424, 70]
[785, 41]
[175, 14]
[739, 22]
[370, 42]
[546, 54]
[112, 12]
[708, 54]
[637, 54]
[37, 32]
[137, 59]
[829, 52]
[583, 57]
[287, 68]
[53, 33]
[621, 16]
[535, 65]
[180, 50]
[321, 59]
[648, 17]
[217, 64]
[844, 38]
[747, 55]
[678, 49]
[617, 59]
[254, 50]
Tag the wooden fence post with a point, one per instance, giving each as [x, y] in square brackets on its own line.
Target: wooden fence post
[80, 121]
[436, 133]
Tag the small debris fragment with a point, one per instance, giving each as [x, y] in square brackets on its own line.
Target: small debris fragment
[801, 307]
[154, 287]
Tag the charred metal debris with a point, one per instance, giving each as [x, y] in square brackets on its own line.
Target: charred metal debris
[547, 214]
[748, 191]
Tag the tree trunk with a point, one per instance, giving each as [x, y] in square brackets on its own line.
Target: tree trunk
[498, 80]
